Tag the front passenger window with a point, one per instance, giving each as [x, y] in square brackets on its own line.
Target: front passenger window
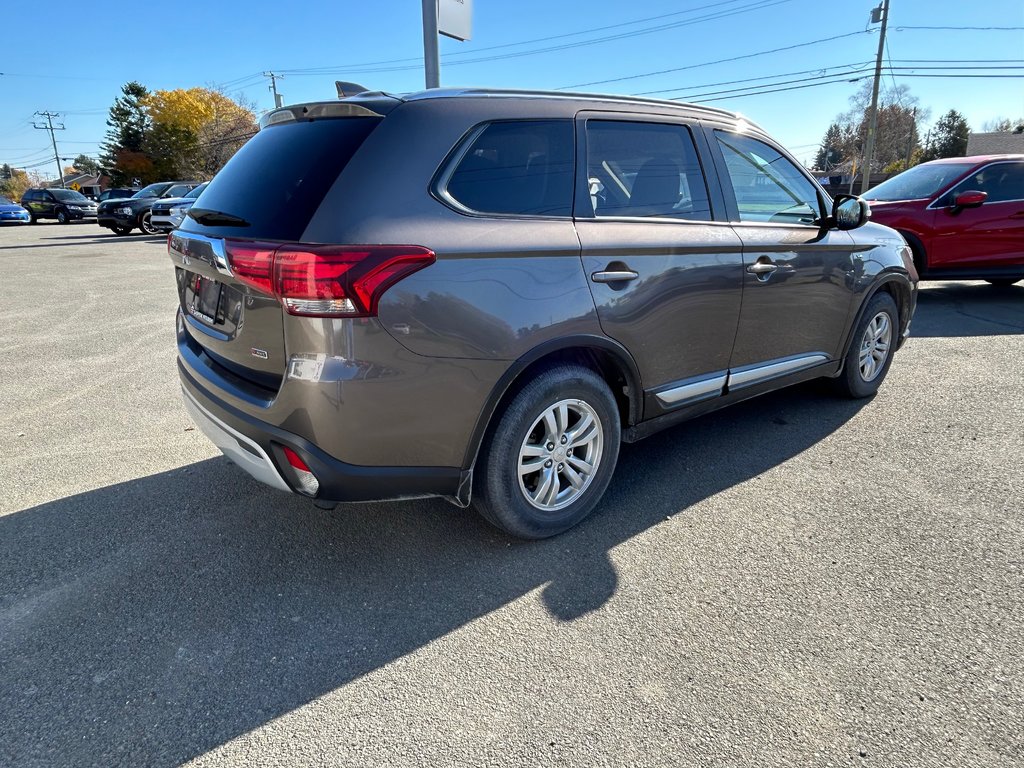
[768, 187]
[1002, 182]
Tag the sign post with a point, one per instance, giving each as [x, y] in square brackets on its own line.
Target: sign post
[452, 18]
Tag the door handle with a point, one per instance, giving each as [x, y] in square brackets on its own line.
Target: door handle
[760, 268]
[614, 276]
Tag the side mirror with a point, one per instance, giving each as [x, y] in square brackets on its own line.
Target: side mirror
[850, 212]
[972, 198]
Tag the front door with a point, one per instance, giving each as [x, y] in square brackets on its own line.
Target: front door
[665, 276]
[991, 235]
[798, 276]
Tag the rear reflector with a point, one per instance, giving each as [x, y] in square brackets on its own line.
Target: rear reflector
[307, 482]
[325, 280]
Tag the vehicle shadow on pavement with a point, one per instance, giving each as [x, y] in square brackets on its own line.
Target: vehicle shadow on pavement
[148, 622]
[968, 309]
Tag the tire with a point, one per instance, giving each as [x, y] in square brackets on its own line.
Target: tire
[121, 231]
[146, 225]
[576, 402]
[875, 338]
[62, 217]
[32, 219]
[1003, 282]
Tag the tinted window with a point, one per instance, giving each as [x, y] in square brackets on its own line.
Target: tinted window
[153, 190]
[768, 187]
[278, 179]
[523, 168]
[70, 196]
[644, 169]
[1002, 182]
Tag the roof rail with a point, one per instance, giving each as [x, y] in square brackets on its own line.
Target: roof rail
[511, 93]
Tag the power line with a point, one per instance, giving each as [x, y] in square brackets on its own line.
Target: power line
[370, 68]
[711, 63]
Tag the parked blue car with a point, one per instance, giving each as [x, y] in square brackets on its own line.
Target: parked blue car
[10, 211]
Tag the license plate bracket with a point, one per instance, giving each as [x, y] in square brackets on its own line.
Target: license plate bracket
[205, 298]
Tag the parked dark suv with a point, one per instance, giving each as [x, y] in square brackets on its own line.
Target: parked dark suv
[480, 294]
[64, 205]
[122, 216]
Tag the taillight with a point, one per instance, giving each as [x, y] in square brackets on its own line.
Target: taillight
[252, 263]
[325, 280]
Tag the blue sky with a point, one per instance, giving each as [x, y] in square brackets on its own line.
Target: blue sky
[229, 42]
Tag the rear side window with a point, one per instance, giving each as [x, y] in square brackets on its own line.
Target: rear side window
[644, 169]
[522, 168]
[276, 182]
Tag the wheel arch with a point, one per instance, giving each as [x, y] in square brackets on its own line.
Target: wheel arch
[896, 285]
[607, 358]
[918, 249]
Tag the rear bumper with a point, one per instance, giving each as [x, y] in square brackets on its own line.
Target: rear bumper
[257, 447]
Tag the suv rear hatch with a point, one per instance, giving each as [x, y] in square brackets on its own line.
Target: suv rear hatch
[259, 204]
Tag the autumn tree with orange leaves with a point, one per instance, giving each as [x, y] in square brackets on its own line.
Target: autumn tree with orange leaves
[185, 133]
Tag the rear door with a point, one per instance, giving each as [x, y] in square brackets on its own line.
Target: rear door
[991, 235]
[666, 276]
[798, 277]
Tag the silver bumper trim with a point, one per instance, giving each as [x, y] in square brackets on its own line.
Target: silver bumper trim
[241, 450]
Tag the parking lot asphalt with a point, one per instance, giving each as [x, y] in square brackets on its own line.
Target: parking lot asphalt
[798, 580]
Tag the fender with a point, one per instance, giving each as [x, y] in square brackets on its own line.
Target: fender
[625, 361]
[883, 279]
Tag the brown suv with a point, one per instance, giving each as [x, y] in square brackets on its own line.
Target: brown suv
[479, 294]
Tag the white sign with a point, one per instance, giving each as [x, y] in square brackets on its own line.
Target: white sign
[455, 18]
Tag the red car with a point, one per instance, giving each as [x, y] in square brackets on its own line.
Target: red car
[962, 216]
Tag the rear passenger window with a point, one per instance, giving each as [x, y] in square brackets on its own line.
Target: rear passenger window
[520, 168]
[644, 169]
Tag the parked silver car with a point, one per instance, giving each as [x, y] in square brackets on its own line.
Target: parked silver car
[479, 294]
[168, 214]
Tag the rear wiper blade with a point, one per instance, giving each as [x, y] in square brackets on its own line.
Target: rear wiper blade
[206, 216]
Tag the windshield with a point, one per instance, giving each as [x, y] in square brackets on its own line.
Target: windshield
[919, 183]
[5, 201]
[153, 190]
[196, 192]
[69, 196]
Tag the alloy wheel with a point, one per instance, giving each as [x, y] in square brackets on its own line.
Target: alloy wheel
[875, 345]
[560, 454]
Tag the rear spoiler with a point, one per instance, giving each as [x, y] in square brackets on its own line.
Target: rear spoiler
[362, 104]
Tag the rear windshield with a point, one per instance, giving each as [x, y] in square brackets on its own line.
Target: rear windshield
[275, 183]
[919, 183]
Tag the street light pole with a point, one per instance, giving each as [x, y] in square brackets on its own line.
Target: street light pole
[431, 57]
[869, 151]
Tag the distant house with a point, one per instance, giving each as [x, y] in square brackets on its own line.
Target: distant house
[1000, 143]
[88, 184]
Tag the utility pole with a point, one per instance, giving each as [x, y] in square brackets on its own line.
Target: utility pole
[431, 56]
[50, 127]
[278, 98]
[910, 137]
[869, 152]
